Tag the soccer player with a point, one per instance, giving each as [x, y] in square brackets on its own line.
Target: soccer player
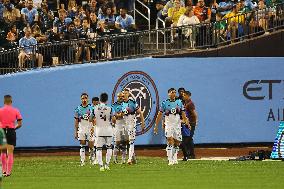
[103, 119]
[130, 108]
[8, 116]
[173, 110]
[84, 130]
[120, 132]
[95, 101]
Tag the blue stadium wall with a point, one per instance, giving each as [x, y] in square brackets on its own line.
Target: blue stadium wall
[238, 100]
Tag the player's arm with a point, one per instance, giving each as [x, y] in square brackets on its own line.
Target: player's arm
[76, 123]
[158, 119]
[142, 118]
[185, 119]
[19, 124]
[196, 117]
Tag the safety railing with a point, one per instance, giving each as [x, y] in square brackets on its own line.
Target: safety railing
[137, 44]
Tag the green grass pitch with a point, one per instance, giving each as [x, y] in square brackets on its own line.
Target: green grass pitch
[64, 173]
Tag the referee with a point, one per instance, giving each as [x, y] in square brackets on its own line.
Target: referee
[8, 116]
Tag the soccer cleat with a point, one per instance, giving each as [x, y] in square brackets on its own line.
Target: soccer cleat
[95, 162]
[102, 168]
[129, 162]
[82, 163]
[107, 167]
[134, 160]
[123, 161]
[171, 163]
[175, 162]
[115, 160]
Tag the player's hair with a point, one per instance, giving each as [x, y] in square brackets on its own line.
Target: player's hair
[7, 99]
[84, 94]
[95, 99]
[126, 89]
[187, 93]
[181, 89]
[171, 89]
[104, 97]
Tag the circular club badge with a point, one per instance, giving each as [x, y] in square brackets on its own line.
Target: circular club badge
[143, 90]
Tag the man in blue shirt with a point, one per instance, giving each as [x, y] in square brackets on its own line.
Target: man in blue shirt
[28, 49]
[29, 13]
[124, 22]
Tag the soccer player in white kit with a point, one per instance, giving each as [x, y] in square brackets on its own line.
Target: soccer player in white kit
[84, 130]
[103, 119]
[174, 113]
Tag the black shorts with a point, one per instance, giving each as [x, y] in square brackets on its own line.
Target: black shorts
[10, 136]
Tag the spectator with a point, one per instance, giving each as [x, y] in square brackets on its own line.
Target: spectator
[175, 12]
[93, 21]
[91, 7]
[125, 22]
[202, 12]
[82, 13]
[262, 16]
[37, 34]
[78, 25]
[72, 9]
[84, 34]
[225, 6]
[70, 34]
[214, 8]
[160, 8]
[169, 5]
[107, 16]
[12, 36]
[11, 14]
[28, 49]
[62, 21]
[29, 14]
[188, 18]
[1, 10]
[46, 17]
[235, 22]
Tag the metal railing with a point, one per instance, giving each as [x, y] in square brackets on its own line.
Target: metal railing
[137, 44]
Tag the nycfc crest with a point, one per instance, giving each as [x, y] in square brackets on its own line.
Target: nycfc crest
[143, 90]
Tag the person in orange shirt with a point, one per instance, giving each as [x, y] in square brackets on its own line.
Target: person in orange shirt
[202, 12]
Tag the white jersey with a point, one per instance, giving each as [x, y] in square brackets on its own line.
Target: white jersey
[103, 115]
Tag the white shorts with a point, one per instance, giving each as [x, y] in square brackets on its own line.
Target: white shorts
[84, 131]
[174, 132]
[101, 141]
[120, 133]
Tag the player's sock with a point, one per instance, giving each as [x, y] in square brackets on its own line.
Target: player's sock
[131, 150]
[170, 153]
[115, 151]
[108, 154]
[4, 162]
[100, 156]
[10, 163]
[124, 152]
[168, 150]
[82, 153]
[91, 154]
[175, 153]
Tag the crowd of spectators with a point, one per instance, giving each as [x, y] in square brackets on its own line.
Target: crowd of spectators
[49, 22]
[24, 23]
[232, 17]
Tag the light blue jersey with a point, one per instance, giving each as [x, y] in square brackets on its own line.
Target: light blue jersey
[172, 107]
[83, 113]
[125, 22]
[130, 107]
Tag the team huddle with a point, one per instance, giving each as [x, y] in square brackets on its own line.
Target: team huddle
[114, 126]
[100, 125]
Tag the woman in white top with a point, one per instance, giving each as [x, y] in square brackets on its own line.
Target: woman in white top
[188, 18]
